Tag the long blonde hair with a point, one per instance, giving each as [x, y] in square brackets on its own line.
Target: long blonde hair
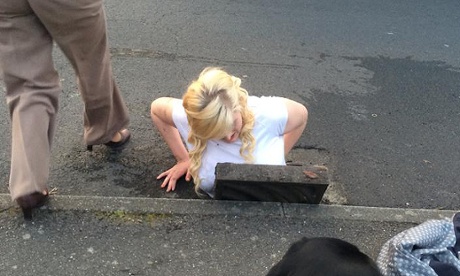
[210, 103]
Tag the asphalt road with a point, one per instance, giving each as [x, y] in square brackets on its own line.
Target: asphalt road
[380, 80]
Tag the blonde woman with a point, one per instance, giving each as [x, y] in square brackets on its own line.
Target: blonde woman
[220, 122]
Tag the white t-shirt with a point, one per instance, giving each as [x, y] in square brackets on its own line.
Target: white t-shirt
[270, 121]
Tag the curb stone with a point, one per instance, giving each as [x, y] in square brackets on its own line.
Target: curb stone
[236, 208]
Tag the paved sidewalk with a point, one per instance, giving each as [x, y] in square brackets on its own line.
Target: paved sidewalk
[83, 235]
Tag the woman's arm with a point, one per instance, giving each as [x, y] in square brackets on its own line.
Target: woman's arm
[161, 113]
[296, 123]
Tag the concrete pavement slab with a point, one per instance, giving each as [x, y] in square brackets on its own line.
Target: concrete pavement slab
[92, 235]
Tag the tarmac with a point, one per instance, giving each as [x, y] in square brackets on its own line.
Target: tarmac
[96, 235]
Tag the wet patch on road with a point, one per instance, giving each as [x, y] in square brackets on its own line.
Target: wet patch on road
[393, 146]
[133, 171]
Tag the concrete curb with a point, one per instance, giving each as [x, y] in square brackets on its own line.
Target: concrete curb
[236, 208]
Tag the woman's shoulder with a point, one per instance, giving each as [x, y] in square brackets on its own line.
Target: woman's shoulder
[263, 100]
[270, 114]
[178, 114]
[266, 106]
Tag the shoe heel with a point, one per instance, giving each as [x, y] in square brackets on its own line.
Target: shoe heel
[27, 212]
[30, 202]
[89, 148]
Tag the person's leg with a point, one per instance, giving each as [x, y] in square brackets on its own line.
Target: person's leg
[32, 90]
[79, 28]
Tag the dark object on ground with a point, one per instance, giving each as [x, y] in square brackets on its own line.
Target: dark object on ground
[324, 257]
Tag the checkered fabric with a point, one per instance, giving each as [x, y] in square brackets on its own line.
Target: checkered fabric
[429, 249]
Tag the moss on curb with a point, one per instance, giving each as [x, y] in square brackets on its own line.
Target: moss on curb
[121, 216]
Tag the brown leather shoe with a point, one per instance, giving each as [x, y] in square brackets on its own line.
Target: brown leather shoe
[125, 135]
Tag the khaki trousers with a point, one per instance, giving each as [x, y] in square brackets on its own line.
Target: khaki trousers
[27, 31]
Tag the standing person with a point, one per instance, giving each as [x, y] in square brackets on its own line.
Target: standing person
[221, 123]
[27, 31]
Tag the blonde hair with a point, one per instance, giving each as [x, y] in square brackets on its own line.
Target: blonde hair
[210, 103]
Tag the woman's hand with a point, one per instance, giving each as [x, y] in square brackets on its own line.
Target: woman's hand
[172, 175]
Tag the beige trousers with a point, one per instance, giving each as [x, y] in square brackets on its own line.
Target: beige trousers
[27, 31]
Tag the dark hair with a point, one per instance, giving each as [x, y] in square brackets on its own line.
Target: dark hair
[324, 257]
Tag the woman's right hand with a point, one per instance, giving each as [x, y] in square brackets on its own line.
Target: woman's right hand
[172, 175]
